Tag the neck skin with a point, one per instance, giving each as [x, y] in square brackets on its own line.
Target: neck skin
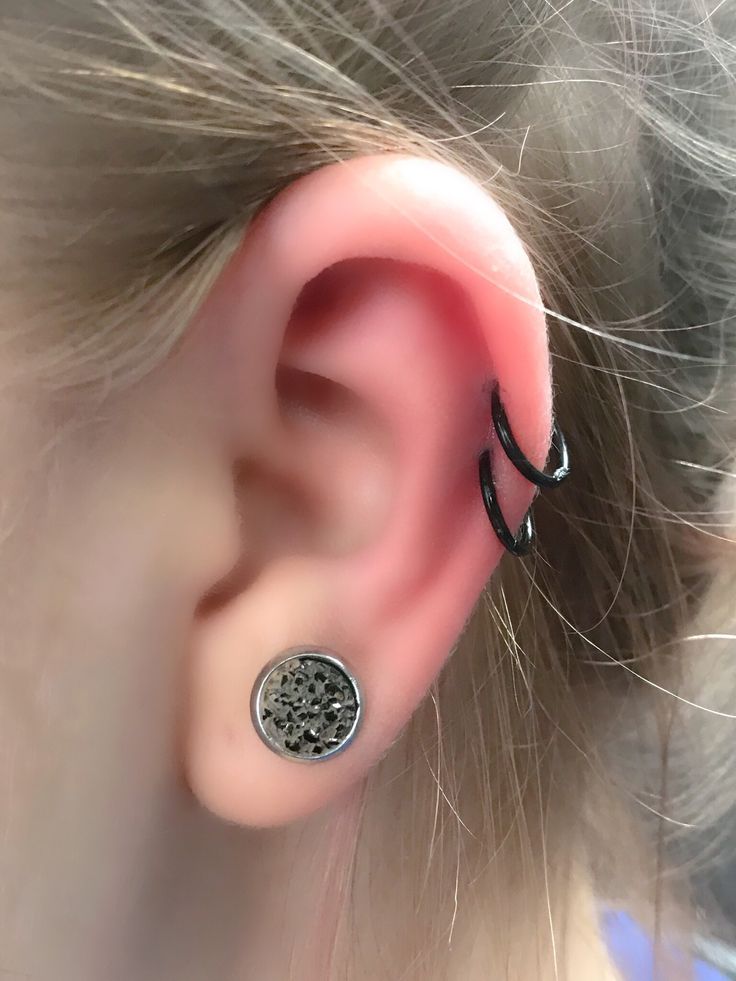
[289, 869]
[296, 871]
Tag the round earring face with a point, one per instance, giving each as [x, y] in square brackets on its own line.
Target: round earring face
[306, 705]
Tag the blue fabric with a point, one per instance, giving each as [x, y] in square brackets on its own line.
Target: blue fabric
[632, 950]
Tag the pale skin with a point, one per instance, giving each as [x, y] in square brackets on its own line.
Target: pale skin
[321, 464]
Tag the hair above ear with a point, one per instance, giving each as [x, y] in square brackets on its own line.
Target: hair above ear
[365, 319]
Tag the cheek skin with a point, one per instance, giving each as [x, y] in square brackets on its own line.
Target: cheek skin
[108, 541]
[88, 678]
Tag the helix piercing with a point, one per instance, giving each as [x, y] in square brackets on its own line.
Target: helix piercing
[306, 704]
[513, 452]
[520, 543]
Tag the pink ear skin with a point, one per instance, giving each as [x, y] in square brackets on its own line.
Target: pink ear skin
[362, 321]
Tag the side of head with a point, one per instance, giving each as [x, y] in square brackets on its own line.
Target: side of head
[263, 268]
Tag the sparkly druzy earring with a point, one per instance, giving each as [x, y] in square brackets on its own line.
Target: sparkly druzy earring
[306, 704]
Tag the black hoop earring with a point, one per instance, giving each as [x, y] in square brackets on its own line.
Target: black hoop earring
[519, 544]
[513, 452]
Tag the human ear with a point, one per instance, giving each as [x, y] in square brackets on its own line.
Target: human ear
[368, 313]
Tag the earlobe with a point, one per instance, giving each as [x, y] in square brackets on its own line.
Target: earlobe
[370, 311]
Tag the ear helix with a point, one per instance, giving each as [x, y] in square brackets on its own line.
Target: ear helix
[520, 543]
[306, 704]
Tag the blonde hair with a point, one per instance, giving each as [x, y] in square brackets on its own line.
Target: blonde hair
[139, 138]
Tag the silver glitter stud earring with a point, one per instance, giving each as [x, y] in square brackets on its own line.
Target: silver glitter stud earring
[306, 704]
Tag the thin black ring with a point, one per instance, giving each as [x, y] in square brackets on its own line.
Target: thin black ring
[519, 544]
[513, 452]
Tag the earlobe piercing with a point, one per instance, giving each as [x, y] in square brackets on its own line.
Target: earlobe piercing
[306, 704]
[522, 542]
